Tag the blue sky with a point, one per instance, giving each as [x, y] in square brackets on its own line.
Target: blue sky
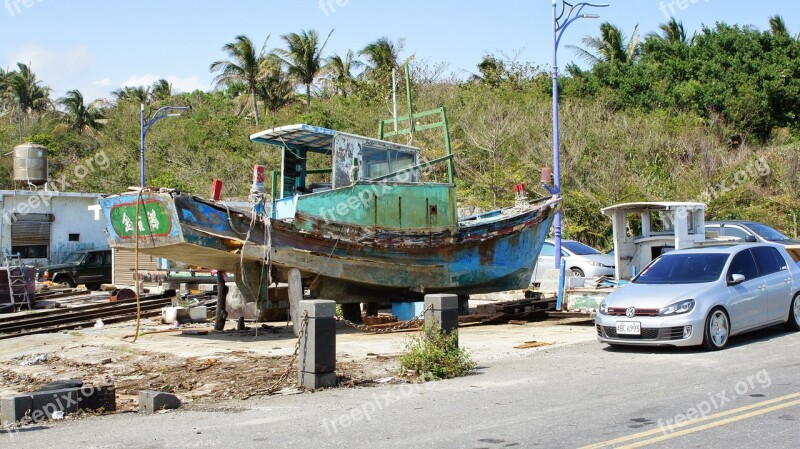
[97, 46]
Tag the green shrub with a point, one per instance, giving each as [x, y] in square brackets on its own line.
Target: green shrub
[433, 355]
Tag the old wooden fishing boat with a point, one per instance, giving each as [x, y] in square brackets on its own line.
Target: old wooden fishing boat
[367, 229]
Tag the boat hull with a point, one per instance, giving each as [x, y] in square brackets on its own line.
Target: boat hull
[343, 262]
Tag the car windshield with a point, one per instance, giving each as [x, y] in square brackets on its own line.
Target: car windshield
[74, 257]
[692, 268]
[767, 232]
[579, 249]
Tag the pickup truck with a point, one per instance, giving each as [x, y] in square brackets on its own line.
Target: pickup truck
[90, 268]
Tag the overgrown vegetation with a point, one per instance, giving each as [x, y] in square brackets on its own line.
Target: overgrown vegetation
[433, 354]
[666, 116]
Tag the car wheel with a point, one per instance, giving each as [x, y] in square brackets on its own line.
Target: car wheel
[66, 280]
[718, 329]
[577, 272]
[794, 315]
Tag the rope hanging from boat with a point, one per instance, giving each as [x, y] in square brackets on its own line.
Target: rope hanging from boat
[136, 265]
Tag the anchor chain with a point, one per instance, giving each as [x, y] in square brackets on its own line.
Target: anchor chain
[385, 330]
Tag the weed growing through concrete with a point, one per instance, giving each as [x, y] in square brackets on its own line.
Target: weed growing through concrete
[433, 355]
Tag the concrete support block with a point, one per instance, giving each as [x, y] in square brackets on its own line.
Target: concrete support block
[317, 354]
[100, 399]
[48, 402]
[41, 405]
[320, 308]
[315, 381]
[153, 401]
[442, 301]
[442, 310]
[13, 408]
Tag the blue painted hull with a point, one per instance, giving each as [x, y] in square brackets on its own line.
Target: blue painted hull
[496, 252]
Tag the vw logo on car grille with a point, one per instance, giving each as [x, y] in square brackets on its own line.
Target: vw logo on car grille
[631, 312]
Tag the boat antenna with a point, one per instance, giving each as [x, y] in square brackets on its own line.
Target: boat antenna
[394, 97]
[410, 105]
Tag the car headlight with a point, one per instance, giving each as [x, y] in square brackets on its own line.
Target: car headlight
[678, 308]
[603, 310]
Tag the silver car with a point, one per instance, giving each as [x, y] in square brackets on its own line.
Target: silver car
[704, 296]
[582, 260]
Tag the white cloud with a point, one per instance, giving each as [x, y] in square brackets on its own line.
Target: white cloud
[56, 67]
[97, 89]
[179, 84]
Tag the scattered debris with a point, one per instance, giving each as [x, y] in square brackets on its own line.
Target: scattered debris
[228, 375]
[532, 344]
[198, 331]
[390, 380]
[41, 358]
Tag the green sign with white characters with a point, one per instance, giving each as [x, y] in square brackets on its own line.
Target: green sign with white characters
[154, 219]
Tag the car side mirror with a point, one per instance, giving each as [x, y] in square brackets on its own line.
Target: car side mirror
[751, 239]
[736, 279]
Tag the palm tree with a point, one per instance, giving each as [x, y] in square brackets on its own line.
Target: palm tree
[672, 32]
[33, 97]
[134, 94]
[160, 90]
[778, 26]
[382, 56]
[340, 71]
[5, 91]
[303, 57]
[612, 46]
[79, 116]
[276, 88]
[244, 64]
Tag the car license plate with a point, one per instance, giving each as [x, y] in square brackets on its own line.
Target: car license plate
[629, 328]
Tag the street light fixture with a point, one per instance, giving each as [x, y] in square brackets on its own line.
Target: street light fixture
[561, 21]
[146, 124]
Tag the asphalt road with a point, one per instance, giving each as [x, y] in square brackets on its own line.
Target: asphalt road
[577, 395]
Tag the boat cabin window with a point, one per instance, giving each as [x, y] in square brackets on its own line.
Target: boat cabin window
[633, 224]
[661, 222]
[379, 162]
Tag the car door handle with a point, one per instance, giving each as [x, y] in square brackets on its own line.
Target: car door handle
[762, 287]
[787, 280]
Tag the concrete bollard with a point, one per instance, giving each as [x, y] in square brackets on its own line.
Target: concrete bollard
[316, 359]
[295, 297]
[442, 309]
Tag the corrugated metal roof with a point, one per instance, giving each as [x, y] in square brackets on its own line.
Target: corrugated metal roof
[312, 138]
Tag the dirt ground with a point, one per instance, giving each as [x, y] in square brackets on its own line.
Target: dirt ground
[207, 369]
[102, 358]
